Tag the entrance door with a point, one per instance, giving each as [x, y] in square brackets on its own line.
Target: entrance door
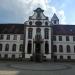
[38, 48]
[37, 52]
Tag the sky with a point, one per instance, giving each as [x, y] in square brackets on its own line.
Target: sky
[18, 11]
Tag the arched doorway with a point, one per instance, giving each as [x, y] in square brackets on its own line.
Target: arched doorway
[38, 52]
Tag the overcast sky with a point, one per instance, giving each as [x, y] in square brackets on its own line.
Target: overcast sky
[18, 11]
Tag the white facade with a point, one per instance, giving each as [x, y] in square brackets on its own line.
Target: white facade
[10, 42]
[64, 43]
[42, 19]
[38, 42]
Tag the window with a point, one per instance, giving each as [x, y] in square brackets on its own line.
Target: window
[46, 23]
[38, 23]
[1, 37]
[29, 48]
[14, 47]
[0, 56]
[54, 48]
[46, 33]
[73, 38]
[0, 47]
[13, 56]
[60, 38]
[21, 47]
[55, 21]
[69, 57]
[30, 33]
[21, 37]
[46, 47]
[8, 37]
[60, 48]
[30, 23]
[15, 37]
[67, 38]
[74, 49]
[68, 48]
[38, 15]
[7, 47]
[55, 58]
[54, 38]
[38, 33]
[6, 56]
[38, 30]
[61, 57]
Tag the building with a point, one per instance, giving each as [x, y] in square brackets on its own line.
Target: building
[38, 39]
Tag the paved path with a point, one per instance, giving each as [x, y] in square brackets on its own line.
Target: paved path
[8, 68]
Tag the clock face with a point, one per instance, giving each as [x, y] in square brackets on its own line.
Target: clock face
[38, 23]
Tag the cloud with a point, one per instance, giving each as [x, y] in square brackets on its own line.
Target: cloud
[20, 10]
[62, 16]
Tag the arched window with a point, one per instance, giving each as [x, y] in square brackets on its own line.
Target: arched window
[7, 47]
[0, 47]
[46, 33]
[30, 33]
[60, 48]
[68, 48]
[29, 48]
[54, 48]
[21, 47]
[14, 47]
[46, 47]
